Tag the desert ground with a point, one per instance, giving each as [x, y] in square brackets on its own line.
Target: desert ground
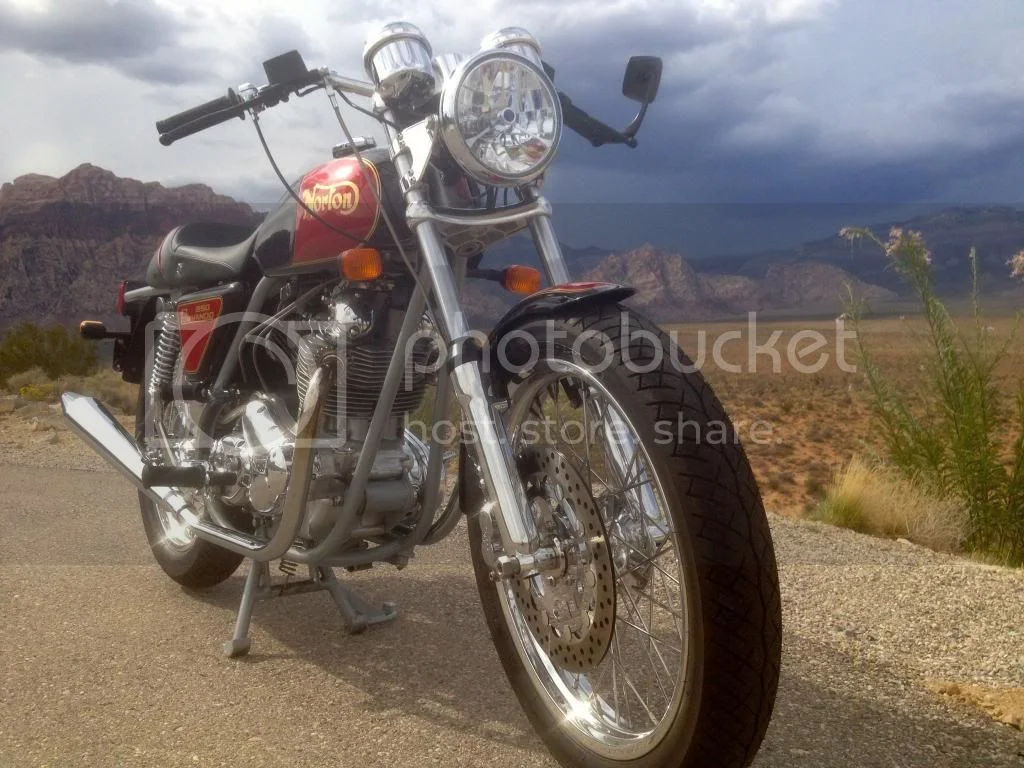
[893, 656]
[799, 426]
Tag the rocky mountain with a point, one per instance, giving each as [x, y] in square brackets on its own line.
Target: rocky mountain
[669, 288]
[65, 243]
[996, 232]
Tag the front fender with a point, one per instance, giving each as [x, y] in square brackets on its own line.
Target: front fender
[559, 301]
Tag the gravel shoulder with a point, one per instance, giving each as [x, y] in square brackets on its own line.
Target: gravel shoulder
[107, 662]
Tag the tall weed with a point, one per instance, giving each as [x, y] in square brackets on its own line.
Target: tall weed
[951, 433]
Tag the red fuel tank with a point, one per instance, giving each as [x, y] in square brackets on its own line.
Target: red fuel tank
[343, 195]
[346, 197]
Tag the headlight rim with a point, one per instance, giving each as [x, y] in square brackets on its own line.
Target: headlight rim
[452, 136]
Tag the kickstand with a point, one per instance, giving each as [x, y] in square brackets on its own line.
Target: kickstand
[356, 612]
[257, 581]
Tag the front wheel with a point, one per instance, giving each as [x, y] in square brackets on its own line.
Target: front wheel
[658, 642]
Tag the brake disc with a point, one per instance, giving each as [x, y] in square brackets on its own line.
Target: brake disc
[571, 613]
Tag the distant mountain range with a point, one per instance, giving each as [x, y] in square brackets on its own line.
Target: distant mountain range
[66, 242]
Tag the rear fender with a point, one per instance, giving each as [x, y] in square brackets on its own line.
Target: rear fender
[130, 350]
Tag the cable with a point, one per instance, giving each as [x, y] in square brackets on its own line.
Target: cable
[380, 203]
[294, 194]
[367, 112]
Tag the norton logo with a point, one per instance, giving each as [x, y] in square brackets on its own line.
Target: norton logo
[342, 198]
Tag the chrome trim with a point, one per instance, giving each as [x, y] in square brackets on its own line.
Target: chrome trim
[517, 526]
[398, 59]
[456, 142]
[354, 496]
[545, 239]
[419, 211]
[514, 39]
[344, 84]
[148, 292]
[112, 442]
[419, 139]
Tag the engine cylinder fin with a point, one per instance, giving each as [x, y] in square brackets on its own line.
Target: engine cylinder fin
[361, 374]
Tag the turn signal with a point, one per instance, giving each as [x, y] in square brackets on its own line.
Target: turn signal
[519, 279]
[361, 264]
[120, 296]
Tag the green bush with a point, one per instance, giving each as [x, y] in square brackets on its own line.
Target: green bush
[53, 349]
[951, 435]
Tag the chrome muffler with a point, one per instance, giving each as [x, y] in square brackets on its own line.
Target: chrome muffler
[101, 431]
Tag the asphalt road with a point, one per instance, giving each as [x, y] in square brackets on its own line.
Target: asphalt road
[104, 661]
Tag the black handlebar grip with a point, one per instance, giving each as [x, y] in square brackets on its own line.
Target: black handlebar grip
[202, 124]
[189, 115]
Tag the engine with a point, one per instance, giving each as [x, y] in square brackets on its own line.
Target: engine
[358, 338]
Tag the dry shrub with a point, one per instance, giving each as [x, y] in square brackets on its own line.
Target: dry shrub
[874, 499]
[33, 377]
[106, 386]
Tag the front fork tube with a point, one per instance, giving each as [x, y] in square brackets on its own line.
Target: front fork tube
[516, 524]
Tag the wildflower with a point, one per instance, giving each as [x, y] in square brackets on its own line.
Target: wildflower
[1017, 264]
[907, 249]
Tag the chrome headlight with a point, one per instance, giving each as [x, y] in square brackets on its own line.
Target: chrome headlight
[397, 59]
[501, 118]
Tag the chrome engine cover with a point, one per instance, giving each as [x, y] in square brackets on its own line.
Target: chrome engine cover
[260, 450]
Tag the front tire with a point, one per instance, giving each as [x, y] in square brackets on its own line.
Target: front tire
[730, 602]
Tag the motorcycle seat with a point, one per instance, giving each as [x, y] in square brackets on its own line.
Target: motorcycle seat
[201, 254]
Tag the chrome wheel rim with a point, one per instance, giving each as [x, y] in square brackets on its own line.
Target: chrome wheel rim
[624, 707]
[176, 533]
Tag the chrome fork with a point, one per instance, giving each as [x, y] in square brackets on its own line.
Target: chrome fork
[515, 522]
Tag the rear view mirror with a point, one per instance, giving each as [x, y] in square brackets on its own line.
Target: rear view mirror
[643, 76]
[286, 68]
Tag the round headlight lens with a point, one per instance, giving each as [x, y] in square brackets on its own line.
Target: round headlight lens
[501, 118]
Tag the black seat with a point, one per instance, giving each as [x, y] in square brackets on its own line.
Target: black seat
[201, 254]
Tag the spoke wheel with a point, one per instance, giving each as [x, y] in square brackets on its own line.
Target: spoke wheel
[687, 677]
[622, 704]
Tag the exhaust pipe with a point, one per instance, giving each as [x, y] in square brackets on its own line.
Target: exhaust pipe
[105, 435]
[102, 432]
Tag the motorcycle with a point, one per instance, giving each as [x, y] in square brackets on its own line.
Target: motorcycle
[623, 558]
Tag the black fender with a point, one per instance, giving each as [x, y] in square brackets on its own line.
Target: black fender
[130, 352]
[559, 301]
[566, 300]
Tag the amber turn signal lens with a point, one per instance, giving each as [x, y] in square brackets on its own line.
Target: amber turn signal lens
[520, 279]
[361, 264]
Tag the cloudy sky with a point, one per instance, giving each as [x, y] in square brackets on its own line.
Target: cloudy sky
[762, 100]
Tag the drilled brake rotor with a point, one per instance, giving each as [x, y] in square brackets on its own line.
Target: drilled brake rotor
[571, 613]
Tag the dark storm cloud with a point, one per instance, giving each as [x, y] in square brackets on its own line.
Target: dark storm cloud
[133, 37]
[732, 124]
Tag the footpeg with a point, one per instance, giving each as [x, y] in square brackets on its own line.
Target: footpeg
[195, 476]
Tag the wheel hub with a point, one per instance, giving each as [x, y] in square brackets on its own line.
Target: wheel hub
[571, 612]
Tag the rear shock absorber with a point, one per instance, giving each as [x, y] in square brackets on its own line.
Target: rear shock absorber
[168, 345]
[165, 358]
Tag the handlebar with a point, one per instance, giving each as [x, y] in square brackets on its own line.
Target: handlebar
[203, 110]
[202, 123]
[228, 107]
[590, 128]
